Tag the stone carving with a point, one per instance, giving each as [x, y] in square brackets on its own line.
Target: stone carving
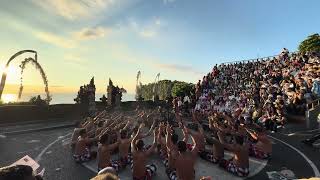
[86, 96]
[114, 94]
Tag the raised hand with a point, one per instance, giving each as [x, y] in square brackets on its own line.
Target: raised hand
[185, 130]
[142, 125]
[169, 129]
[153, 124]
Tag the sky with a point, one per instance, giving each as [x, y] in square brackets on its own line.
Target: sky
[180, 39]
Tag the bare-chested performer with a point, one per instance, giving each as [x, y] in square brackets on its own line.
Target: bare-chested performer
[239, 164]
[104, 153]
[172, 152]
[124, 144]
[124, 147]
[263, 148]
[185, 161]
[140, 170]
[99, 128]
[161, 140]
[199, 136]
[89, 125]
[82, 152]
[216, 154]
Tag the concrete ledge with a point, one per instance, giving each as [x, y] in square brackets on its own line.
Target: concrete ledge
[37, 121]
[38, 129]
[19, 114]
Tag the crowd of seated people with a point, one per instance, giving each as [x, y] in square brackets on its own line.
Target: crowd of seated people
[263, 91]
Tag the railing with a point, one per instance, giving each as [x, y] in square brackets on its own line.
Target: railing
[313, 104]
[312, 114]
[258, 59]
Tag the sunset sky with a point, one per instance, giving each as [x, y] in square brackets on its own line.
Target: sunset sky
[181, 39]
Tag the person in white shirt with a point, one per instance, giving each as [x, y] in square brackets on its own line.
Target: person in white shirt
[186, 99]
[186, 102]
[179, 102]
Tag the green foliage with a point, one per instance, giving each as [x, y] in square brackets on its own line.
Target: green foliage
[33, 99]
[103, 99]
[165, 89]
[147, 91]
[310, 44]
[138, 95]
[181, 89]
[36, 100]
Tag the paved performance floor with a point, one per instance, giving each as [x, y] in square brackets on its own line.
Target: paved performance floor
[50, 148]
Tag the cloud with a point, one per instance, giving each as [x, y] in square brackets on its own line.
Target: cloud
[55, 39]
[158, 22]
[168, 1]
[91, 33]
[74, 58]
[75, 61]
[122, 53]
[74, 9]
[147, 33]
[56, 86]
[178, 67]
[147, 30]
[65, 42]
[125, 54]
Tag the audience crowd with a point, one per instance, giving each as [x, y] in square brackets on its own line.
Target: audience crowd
[263, 91]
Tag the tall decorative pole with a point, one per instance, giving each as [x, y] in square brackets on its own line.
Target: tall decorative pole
[156, 88]
[4, 74]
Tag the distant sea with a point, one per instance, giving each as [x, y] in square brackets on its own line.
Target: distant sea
[68, 98]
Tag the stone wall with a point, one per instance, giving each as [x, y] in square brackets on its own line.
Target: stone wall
[20, 113]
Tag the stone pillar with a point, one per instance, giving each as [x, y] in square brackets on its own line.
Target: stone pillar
[91, 97]
[109, 95]
[118, 100]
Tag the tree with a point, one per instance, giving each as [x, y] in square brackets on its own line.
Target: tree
[103, 99]
[138, 95]
[310, 44]
[36, 100]
[165, 89]
[181, 89]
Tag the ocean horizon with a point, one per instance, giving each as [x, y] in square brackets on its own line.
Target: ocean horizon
[65, 98]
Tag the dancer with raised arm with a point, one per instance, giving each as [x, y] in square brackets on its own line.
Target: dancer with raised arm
[140, 170]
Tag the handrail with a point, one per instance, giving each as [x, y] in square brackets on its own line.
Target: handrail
[257, 59]
[313, 104]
